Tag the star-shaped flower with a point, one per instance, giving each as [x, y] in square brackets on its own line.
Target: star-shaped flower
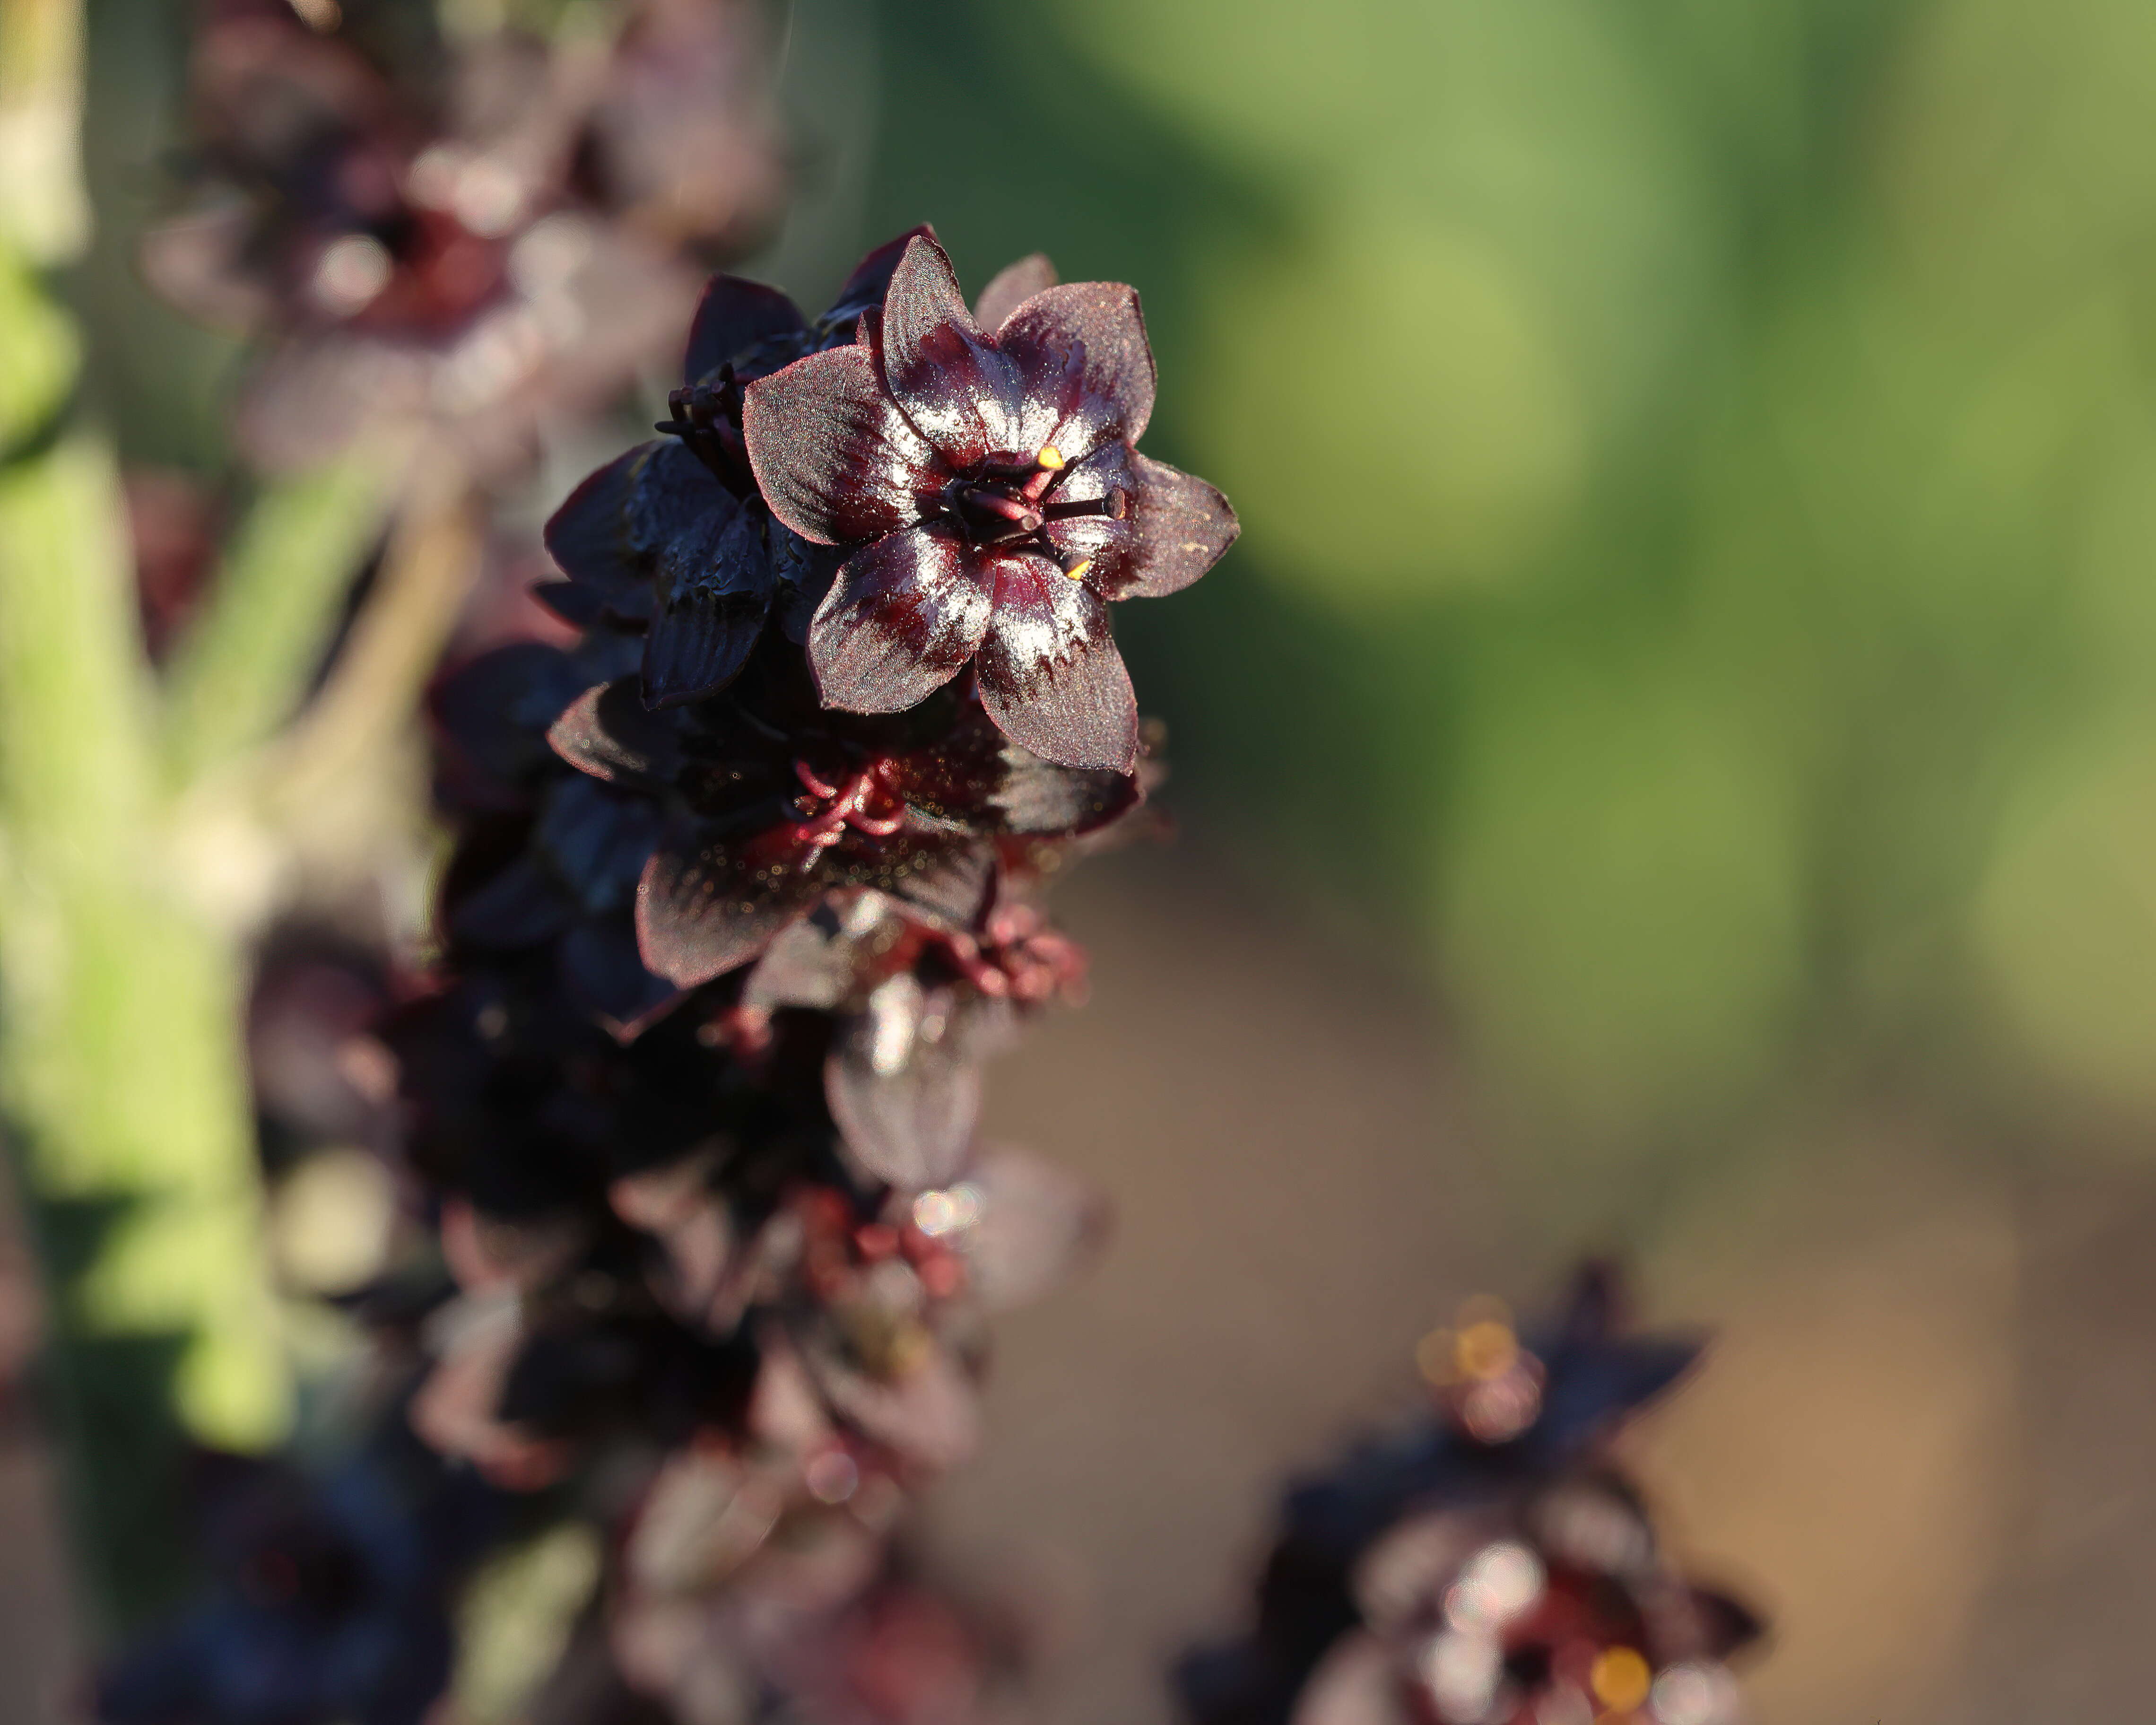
[989, 491]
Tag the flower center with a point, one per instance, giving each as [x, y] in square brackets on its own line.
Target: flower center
[1007, 502]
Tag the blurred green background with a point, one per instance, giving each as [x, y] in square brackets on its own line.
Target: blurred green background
[1699, 477]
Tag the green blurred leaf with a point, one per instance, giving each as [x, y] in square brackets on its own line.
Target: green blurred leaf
[39, 354]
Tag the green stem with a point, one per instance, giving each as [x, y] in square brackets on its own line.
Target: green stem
[244, 669]
[123, 1087]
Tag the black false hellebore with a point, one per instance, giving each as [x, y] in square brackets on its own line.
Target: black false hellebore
[737, 911]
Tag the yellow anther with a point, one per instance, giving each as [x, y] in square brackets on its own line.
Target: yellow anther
[1076, 572]
[1621, 1678]
[1049, 457]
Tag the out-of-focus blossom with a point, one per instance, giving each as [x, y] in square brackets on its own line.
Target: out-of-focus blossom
[1486, 1565]
[332, 1601]
[464, 239]
[1559, 1609]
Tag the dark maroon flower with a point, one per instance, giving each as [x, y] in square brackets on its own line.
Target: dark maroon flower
[770, 803]
[409, 221]
[672, 540]
[992, 500]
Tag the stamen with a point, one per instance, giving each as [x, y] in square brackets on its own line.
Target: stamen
[1049, 457]
[1076, 572]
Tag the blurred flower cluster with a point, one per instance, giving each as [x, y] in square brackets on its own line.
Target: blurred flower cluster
[1491, 1564]
[457, 236]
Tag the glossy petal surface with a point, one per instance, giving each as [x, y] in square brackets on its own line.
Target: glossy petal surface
[904, 1082]
[1084, 346]
[905, 613]
[835, 459]
[703, 908]
[1050, 676]
[1180, 528]
[957, 389]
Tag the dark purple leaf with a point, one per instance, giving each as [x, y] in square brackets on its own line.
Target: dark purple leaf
[834, 456]
[805, 571]
[978, 778]
[1011, 287]
[1050, 676]
[734, 315]
[496, 708]
[598, 840]
[579, 606]
[589, 536]
[603, 970]
[810, 964]
[943, 885]
[716, 583]
[905, 613]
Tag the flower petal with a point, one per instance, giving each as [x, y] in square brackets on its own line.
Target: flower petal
[496, 709]
[1184, 526]
[606, 536]
[1011, 287]
[735, 315]
[702, 908]
[945, 886]
[832, 453]
[596, 840]
[904, 1080]
[1083, 346]
[607, 732]
[905, 613]
[589, 536]
[1050, 676]
[959, 392]
[1037, 1226]
[716, 583]
[1180, 526]
[978, 779]
[603, 970]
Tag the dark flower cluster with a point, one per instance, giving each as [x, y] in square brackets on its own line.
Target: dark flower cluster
[1490, 1564]
[745, 888]
[466, 236]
